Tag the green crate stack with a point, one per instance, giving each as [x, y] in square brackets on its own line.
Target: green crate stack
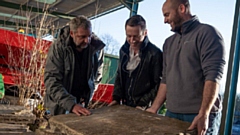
[109, 68]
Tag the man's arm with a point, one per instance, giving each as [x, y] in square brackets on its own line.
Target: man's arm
[210, 94]
[53, 79]
[212, 56]
[159, 100]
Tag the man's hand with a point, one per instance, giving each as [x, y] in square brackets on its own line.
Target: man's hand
[114, 102]
[210, 93]
[151, 110]
[141, 107]
[201, 123]
[79, 110]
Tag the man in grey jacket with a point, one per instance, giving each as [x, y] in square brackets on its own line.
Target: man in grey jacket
[193, 62]
[73, 68]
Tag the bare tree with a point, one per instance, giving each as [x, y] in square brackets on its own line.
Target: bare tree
[26, 61]
[112, 45]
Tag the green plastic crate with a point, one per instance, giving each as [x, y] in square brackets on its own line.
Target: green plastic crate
[109, 68]
[2, 90]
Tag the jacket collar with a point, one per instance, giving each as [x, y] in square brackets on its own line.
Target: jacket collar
[188, 25]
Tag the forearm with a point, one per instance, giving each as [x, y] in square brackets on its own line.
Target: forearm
[210, 93]
[160, 98]
[54, 85]
[59, 94]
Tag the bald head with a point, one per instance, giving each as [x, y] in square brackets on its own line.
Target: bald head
[175, 3]
[176, 12]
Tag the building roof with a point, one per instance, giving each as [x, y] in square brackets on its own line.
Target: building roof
[15, 14]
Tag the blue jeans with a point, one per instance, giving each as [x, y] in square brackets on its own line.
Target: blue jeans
[213, 125]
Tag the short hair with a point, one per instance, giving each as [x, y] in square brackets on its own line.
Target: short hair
[80, 21]
[176, 3]
[136, 20]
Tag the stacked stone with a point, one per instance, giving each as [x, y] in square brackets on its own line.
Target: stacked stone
[15, 119]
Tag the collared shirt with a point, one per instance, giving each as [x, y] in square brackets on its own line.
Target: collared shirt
[133, 61]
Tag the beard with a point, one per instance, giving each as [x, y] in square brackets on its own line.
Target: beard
[82, 46]
[177, 23]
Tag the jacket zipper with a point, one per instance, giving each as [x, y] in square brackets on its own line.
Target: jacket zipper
[122, 65]
[89, 64]
[139, 72]
[125, 55]
[129, 88]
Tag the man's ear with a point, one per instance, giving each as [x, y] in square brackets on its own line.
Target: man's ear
[145, 32]
[182, 8]
[71, 33]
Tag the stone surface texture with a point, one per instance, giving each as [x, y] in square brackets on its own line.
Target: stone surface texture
[117, 120]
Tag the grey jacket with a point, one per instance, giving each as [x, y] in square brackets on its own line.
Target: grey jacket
[191, 57]
[59, 70]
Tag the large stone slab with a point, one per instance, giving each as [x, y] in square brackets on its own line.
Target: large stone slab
[117, 120]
